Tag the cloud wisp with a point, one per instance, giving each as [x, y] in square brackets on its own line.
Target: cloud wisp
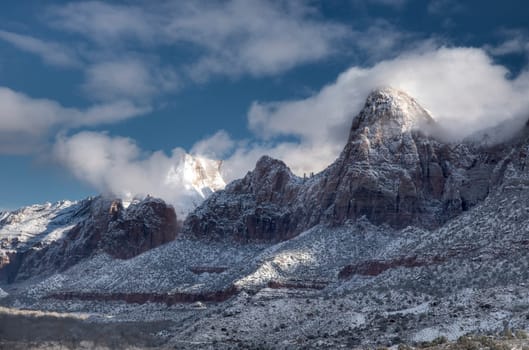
[129, 78]
[25, 122]
[232, 38]
[52, 53]
[118, 166]
[514, 42]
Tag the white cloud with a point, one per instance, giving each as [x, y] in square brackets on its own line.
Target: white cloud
[109, 74]
[515, 42]
[116, 165]
[383, 41]
[110, 163]
[105, 113]
[516, 45]
[20, 113]
[217, 146]
[25, 122]
[128, 78]
[105, 23]
[255, 37]
[462, 87]
[51, 53]
[233, 37]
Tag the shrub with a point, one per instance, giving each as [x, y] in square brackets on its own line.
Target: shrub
[520, 334]
[437, 341]
[507, 333]
[466, 343]
[404, 347]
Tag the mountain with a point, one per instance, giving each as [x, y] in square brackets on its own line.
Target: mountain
[403, 239]
[391, 171]
[42, 239]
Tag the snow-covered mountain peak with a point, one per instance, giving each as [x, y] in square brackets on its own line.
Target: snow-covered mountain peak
[203, 175]
[267, 165]
[270, 178]
[47, 222]
[390, 112]
[197, 174]
[383, 131]
[191, 180]
[392, 171]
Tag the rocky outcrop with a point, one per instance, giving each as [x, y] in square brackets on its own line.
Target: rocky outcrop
[103, 225]
[393, 170]
[252, 208]
[9, 265]
[142, 226]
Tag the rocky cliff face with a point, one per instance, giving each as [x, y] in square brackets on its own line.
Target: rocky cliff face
[393, 170]
[93, 225]
[259, 206]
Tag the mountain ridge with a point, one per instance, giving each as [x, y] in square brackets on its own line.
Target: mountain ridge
[404, 238]
[390, 170]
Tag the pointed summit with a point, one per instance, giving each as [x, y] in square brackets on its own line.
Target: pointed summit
[391, 112]
[392, 171]
[382, 131]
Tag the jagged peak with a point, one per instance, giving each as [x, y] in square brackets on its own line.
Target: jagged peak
[393, 110]
[267, 166]
[267, 162]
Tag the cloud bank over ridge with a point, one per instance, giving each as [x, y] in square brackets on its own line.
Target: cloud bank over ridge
[133, 59]
[462, 87]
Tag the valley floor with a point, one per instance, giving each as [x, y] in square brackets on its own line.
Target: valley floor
[23, 329]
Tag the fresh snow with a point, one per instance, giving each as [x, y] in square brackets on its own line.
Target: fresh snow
[45, 223]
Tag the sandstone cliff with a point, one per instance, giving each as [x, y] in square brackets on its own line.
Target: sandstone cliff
[393, 170]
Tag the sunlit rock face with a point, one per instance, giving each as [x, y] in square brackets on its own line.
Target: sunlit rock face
[393, 170]
[187, 183]
[203, 175]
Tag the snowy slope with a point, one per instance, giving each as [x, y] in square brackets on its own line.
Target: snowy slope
[40, 240]
[44, 223]
[479, 283]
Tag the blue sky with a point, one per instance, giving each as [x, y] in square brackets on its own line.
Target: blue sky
[104, 96]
